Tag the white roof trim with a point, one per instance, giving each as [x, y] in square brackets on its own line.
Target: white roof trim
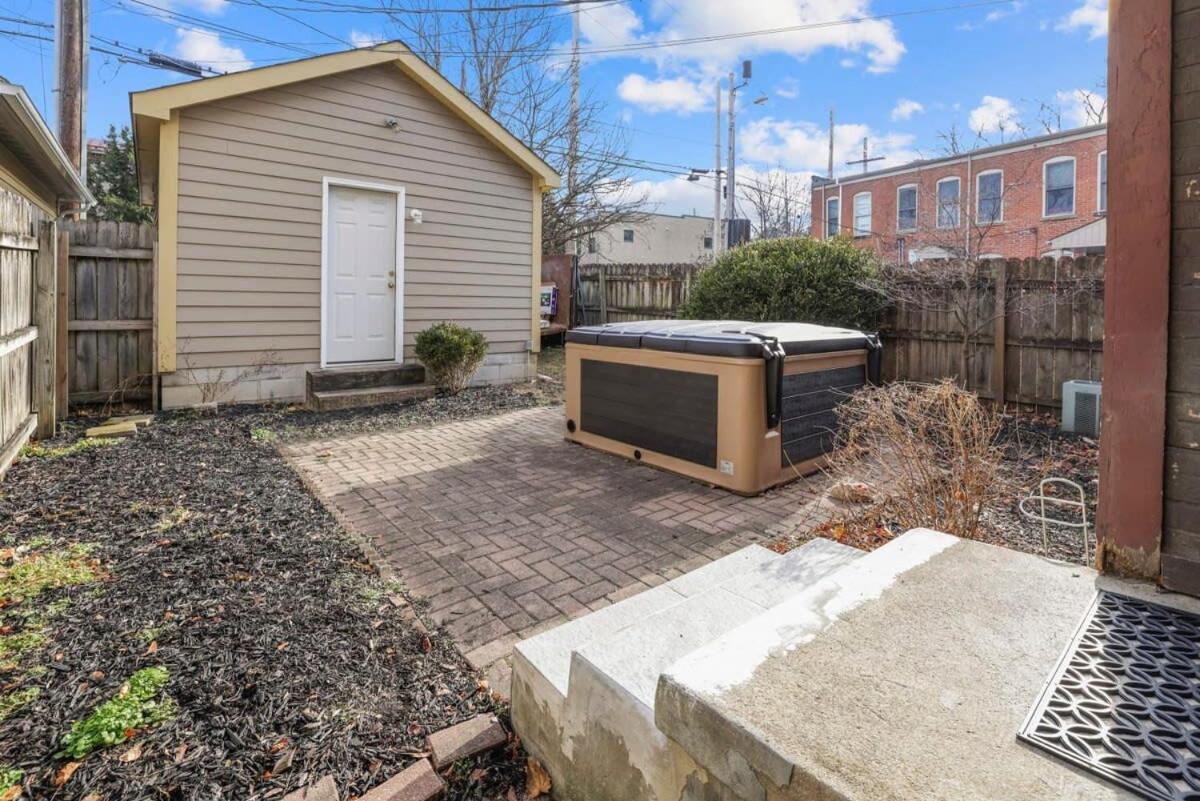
[35, 137]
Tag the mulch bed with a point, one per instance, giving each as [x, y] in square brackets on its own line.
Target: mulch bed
[1034, 448]
[287, 659]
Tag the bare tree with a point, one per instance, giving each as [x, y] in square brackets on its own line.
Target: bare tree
[779, 202]
[502, 65]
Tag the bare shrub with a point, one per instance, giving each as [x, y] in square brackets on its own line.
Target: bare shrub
[931, 450]
[214, 385]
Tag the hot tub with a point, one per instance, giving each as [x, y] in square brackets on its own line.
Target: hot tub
[745, 406]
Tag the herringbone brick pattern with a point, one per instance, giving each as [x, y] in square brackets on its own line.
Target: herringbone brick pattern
[506, 528]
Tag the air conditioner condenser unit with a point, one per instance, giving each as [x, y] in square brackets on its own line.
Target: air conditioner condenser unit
[1081, 407]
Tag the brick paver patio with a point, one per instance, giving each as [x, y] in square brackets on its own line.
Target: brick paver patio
[506, 528]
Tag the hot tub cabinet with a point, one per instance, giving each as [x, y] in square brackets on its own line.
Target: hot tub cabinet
[745, 406]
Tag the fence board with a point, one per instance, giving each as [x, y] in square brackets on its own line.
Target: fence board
[1052, 323]
[111, 310]
[616, 293]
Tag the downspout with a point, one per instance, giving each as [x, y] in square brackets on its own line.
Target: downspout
[970, 207]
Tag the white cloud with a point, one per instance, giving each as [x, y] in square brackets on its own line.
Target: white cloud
[1081, 107]
[905, 109]
[1091, 15]
[804, 146]
[205, 47]
[1016, 7]
[681, 95]
[362, 39]
[207, 6]
[788, 88]
[609, 24]
[993, 114]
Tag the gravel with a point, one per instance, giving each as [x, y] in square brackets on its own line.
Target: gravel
[288, 660]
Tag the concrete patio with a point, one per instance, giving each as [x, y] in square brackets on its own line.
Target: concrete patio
[507, 530]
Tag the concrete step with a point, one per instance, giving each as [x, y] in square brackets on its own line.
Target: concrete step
[542, 664]
[598, 732]
[332, 379]
[368, 396]
[613, 681]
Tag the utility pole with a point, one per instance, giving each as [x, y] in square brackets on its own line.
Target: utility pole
[829, 174]
[573, 130]
[717, 233]
[865, 160]
[71, 53]
[731, 202]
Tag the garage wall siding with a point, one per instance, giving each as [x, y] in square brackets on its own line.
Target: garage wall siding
[250, 173]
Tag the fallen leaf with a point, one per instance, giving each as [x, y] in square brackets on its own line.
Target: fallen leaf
[152, 648]
[133, 754]
[512, 794]
[97, 675]
[414, 729]
[13, 793]
[426, 644]
[284, 762]
[279, 746]
[92, 797]
[478, 774]
[179, 752]
[7, 554]
[281, 646]
[537, 780]
[65, 773]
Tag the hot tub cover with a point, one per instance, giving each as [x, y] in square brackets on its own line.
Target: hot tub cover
[731, 338]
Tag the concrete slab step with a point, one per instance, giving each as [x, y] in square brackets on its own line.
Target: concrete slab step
[331, 379]
[612, 676]
[542, 664]
[368, 396]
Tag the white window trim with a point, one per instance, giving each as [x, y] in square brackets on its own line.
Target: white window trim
[978, 179]
[327, 182]
[937, 193]
[1074, 187]
[854, 215]
[916, 208]
[1101, 196]
[828, 202]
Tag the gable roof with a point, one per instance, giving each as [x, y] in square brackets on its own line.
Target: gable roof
[30, 156]
[153, 106]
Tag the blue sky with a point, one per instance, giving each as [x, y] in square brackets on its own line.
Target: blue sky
[900, 77]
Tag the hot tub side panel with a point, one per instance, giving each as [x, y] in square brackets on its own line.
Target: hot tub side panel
[701, 416]
[813, 387]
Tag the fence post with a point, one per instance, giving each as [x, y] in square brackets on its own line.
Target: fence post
[999, 332]
[603, 294]
[45, 307]
[62, 286]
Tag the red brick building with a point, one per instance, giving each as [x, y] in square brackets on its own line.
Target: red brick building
[1041, 196]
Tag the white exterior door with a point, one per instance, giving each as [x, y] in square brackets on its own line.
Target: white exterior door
[363, 272]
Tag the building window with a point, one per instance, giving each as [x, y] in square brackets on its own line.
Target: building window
[628, 234]
[989, 197]
[1059, 181]
[591, 244]
[833, 208]
[949, 194]
[1102, 179]
[906, 208]
[862, 214]
[708, 243]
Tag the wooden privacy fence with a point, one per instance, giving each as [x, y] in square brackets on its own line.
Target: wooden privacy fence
[1030, 325]
[613, 293]
[28, 301]
[110, 322]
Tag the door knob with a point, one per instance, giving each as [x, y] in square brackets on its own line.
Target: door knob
[391, 284]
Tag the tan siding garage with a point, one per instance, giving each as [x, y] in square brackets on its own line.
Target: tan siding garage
[251, 172]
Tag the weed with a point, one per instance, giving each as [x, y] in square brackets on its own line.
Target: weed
[134, 707]
[34, 574]
[34, 451]
[37, 543]
[13, 701]
[150, 634]
[13, 646]
[262, 435]
[176, 517]
[10, 777]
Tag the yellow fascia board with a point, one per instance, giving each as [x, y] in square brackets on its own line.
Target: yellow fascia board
[165, 279]
[535, 333]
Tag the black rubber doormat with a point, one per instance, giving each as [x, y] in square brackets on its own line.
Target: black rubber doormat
[1124, 702]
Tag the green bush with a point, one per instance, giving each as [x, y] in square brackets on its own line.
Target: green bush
[795, 279]
[451, 353]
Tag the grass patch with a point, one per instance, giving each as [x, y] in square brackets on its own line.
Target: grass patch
[35, 451]
[133, 707]
[262, 435]
[176, 517]
[36, 573]
[11, 702]
[14, 646]
[9, 778]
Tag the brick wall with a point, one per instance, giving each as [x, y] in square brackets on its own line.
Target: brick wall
[1023, 231]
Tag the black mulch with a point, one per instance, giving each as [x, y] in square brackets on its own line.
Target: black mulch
[279, 637]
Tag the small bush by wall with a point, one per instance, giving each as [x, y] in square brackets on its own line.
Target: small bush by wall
[451, 353]
[790, 279]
